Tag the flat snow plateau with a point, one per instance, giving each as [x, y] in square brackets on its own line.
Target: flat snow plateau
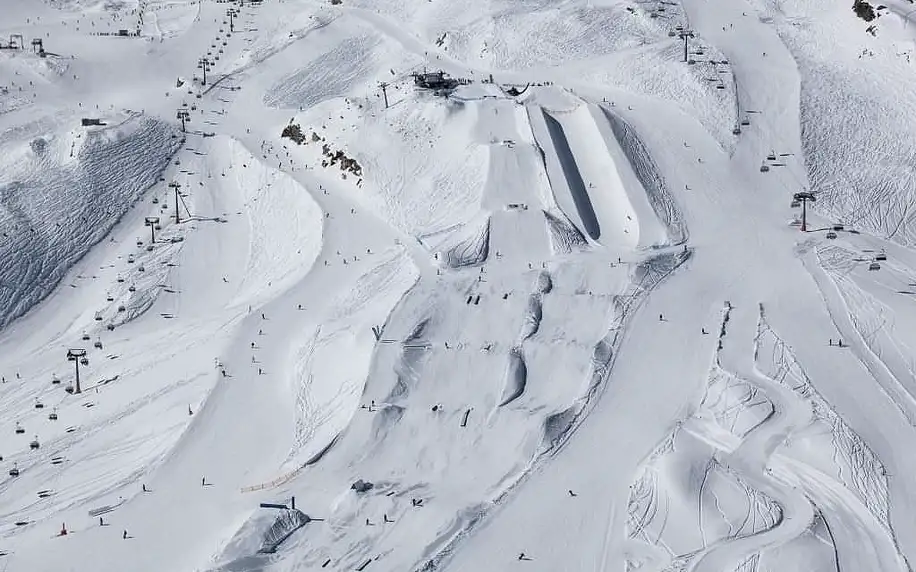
[273, 299]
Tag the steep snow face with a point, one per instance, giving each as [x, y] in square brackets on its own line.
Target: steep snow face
[858, 93]
[62, 192]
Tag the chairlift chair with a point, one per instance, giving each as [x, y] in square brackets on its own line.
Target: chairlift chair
[55, 380]
[85, 337]
[84, 360]
[874, 266]
[771, 157]
[69, 388]
[14, 472]
[120, 278]
[98, 316]
[131, 288]
[121, 308]
[795, 204]
[141, 268]
[155, 200]
[831, 235]
[130, 259]
[881, 256]
[39, 405]
[764, 168]
[52, 416]
[19, 430]
[736, 131]
[746, 121]
[34, 444]
[109, 298]
[98, 344]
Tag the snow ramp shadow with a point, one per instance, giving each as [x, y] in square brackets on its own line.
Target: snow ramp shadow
[573, 177]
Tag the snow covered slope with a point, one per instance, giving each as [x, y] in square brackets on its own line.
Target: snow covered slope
[556, 313]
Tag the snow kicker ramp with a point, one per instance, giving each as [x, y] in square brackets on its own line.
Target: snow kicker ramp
[592, 179]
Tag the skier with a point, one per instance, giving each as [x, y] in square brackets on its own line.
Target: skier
[124, 534]
[101, 521]
[203, 481]
[572, 494]
[661, 318]
[703, 330]
[144, 488]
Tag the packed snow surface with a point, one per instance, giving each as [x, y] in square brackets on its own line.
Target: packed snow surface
[327, 309]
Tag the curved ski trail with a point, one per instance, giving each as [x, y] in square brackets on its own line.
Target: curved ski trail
[750, 458]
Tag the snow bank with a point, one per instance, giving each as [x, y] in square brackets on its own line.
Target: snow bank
[285, 223]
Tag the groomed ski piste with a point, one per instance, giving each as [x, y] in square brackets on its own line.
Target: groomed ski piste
[553, 313]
